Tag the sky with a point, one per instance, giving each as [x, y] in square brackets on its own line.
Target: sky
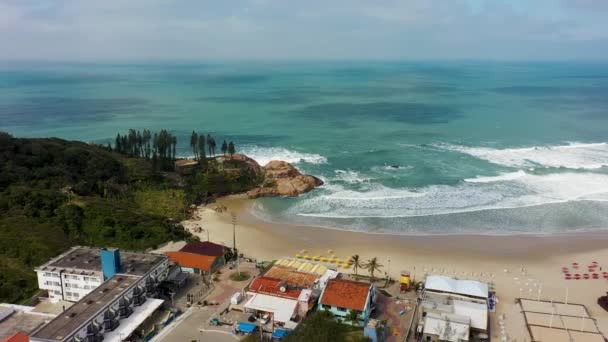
[303, 29]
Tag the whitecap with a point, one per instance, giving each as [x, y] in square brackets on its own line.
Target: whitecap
[263, 155]
[508, 191]
[572, 155]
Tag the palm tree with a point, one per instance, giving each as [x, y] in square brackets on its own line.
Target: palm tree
[356, 263]
[372, 266]
[352, 317]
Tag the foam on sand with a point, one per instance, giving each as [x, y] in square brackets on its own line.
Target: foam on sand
[572, 156]
[263, 155]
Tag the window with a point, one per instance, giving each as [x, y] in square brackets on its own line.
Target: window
[47, 274]
[327, 307]
[68, 285]
[341, 309]
[57, 292]
[56, 283]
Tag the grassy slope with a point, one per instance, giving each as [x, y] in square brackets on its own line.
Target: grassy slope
[111, 203]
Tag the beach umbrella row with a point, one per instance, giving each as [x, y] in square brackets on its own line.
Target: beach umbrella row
[577, 276]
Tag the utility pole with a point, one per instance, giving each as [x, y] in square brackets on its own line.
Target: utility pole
[233, 215]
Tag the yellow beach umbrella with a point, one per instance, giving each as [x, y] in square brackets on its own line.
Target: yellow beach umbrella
[298, 256]
[323, 259]
[338, 260]
[307, 257]
[315, 258]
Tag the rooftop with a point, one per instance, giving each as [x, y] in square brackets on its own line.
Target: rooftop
[204, 248]
[470, 288]
[13, 321]
[88, 259]
[185, 259]
[281, 308]
[446, 329]
[70, 321]
[271, 286]
[347, 294]
[291, 276]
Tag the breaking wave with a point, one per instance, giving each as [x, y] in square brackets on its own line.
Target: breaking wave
[507, 191]
[571, 156]
[265, 154]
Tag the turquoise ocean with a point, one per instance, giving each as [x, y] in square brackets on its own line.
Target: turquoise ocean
[403, 147]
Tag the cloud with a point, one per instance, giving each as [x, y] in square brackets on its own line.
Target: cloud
[269, 29]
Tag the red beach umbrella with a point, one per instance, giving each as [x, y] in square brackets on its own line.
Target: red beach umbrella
[586, 275]
[577, 276]
[595, 275]
[568, 276]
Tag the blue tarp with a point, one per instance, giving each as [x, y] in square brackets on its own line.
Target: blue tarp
[280, 333]
[246, 327]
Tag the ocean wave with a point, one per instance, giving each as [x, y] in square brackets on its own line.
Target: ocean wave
[572, 155]
[349, 176]
[508, 191]
[507, 176]
[263, 155]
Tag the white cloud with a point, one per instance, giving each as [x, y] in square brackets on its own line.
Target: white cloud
[206, 29]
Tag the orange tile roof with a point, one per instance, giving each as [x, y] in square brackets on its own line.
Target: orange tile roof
[18, 337]
[184, 259]
[270, 286]
[306, 280]
[348, 294]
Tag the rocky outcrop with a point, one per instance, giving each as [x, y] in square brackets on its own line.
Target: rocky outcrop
[283, 179]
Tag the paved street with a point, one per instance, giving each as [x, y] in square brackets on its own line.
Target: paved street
[197, 318]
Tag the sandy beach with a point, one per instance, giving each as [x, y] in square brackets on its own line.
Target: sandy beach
[527, 266]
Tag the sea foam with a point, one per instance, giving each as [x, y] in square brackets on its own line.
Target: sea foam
[265, 154]
[571, 156]
[516, 190]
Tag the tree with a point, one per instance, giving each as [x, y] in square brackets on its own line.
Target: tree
[356, 263]
[194, 144]
[201, 148]
[372, 266]
[352, 317]
[231, 149]
[224, 148]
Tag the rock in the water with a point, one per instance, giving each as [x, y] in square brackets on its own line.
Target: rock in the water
[283, 179]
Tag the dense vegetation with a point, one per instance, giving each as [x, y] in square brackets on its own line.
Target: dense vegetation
[55, 194]
[322, 326]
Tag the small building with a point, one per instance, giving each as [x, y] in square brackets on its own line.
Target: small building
[199, 257]
[449, 306]
[285, 302]
[73, 274]
[342, 295]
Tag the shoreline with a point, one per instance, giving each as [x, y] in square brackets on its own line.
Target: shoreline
[515, 266]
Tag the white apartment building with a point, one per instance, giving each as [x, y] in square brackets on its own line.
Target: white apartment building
[75, 273]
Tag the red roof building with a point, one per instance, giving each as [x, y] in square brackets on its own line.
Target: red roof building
[204, 248]
[346, 294]
[272, 287]
[199, 257]
[18, 337]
